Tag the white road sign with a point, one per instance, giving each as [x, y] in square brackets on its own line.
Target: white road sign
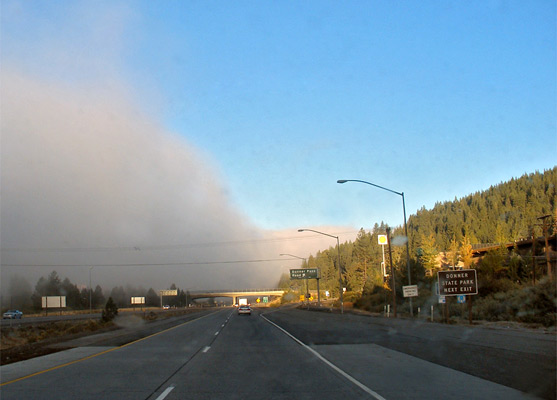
[410, 291]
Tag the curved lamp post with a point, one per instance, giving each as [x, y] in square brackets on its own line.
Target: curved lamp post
[339, 272]
[405, 228]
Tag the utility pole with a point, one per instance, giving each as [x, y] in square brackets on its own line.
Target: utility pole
[545, 228]
[534, 264]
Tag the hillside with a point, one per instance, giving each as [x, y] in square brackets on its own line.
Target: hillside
[503, 213]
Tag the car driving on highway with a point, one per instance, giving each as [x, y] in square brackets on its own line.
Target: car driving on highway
[244, 310]
[12, 314]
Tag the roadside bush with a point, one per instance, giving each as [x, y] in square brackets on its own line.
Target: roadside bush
[351, 297]
[373, 300]
[530, 304]
[151, 316]
[288, 297]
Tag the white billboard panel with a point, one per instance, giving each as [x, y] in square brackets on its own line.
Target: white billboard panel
[138, 300]
[53, 301]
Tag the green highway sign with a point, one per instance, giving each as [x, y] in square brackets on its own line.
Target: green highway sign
[304, 273]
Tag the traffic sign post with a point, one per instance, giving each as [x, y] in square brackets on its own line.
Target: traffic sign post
[304, 273]
[410, 291]
[454, 283]
[459, 283]
[137, 300]
[168, 292]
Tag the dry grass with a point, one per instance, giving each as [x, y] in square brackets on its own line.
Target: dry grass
[32, 333]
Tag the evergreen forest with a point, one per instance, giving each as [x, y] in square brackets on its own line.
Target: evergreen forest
[445, 236]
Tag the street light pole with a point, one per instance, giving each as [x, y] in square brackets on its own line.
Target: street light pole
[339, 269]
[90, 292]
[405, 227]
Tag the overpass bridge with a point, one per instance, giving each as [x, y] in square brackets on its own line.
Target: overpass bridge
[236, 294]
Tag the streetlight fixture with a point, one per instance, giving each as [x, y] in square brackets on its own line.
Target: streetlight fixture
[405, 227]
[339, 272]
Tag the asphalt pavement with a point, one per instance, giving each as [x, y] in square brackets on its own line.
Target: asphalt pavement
[282, 354]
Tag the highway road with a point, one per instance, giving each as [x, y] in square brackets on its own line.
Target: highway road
[294, 354]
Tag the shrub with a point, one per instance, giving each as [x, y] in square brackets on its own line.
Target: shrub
[530, 304]
[373, 300]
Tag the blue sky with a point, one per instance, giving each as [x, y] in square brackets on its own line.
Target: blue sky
[437, 99]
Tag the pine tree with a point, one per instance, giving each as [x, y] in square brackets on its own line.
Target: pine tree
[110, 311]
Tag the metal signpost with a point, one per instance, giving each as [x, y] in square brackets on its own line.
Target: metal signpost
[306, 273]
[168, 292]
[459, 283]
[138, 300]
[53, 302]
[382, 241]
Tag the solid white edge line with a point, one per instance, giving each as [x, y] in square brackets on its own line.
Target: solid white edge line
[330, 364]
[165, 393]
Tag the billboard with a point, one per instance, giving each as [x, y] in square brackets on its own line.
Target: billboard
[53, 301]
[138, 300]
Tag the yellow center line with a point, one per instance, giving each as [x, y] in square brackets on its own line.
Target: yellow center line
[102, 352]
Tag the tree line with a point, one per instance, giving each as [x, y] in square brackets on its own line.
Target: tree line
[26, 298]
[444, 237]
